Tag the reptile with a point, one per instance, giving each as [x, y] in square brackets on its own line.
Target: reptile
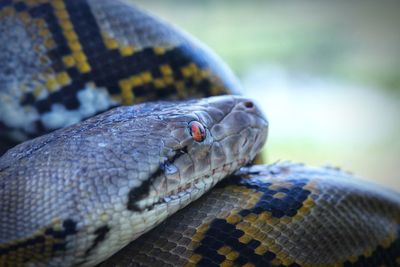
[77, 195]
[283, 214]
[65, 61]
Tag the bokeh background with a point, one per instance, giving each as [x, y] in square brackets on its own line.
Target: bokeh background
[327, 73]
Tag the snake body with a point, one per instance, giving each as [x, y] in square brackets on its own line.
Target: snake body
[75, 196]
[283, 214]
[64, 61]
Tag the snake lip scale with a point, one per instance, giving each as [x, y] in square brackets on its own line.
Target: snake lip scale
[186, 190]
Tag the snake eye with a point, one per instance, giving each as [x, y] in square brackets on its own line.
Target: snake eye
[197, 131]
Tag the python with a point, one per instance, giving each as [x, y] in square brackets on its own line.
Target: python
[75, 196]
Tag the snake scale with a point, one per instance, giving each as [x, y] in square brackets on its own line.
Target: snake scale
[114, 171]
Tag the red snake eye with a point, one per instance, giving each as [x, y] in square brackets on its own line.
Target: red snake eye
[197, 131]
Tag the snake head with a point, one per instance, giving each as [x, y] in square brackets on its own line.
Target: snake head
[200, 143]
[109, 179]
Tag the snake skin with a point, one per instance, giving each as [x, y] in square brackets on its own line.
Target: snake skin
[63, 61]
[277, 215]
[79, 194]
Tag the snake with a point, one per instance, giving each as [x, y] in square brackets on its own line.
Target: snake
[114, 122]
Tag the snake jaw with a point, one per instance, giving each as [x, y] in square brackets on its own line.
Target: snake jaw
[234, 132]
[182, 195]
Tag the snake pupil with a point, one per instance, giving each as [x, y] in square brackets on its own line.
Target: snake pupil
[197, 131]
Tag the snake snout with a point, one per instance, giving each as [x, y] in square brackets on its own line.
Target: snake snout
[201, 142]
[257, 129]
[239, 114]
[241, 133]
[248, 105]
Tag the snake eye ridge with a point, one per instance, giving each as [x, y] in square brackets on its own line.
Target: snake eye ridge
[197, 131]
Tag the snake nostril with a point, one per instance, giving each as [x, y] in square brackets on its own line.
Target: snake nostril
[249, 104]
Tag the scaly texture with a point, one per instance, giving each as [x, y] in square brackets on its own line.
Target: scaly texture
[64, 61]
[277, 215]
[79, 194]
[76, 196]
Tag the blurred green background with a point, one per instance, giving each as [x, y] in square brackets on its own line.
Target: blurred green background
[327, 73]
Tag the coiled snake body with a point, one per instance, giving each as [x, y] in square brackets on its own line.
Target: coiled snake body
[77, 195]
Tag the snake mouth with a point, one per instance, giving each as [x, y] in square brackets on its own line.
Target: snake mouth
[190, 191]
[196, 155]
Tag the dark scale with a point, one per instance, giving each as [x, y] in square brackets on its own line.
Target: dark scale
[20, 7]
[138, 193]
[69, 228]
[100, 234]
[5, 3]
[46, 12]
[28, 99]
[146, 91]
[287, 206]
[117, 67]
[381, 256]
[221, 233]
[108, 67]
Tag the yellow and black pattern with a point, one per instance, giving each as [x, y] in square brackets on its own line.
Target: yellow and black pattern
[40, 247]
[65, 60]
[81, 67]
[281, 215]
